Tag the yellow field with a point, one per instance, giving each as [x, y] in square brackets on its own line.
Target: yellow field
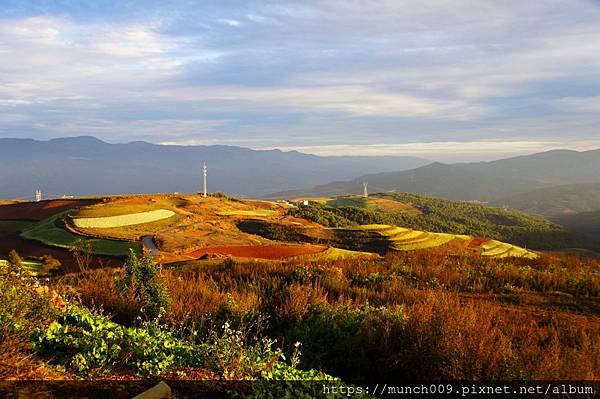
[122, 220]
[337, 253]
[254, 212]
[404, 239]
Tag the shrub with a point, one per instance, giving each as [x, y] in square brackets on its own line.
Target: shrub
[83, 342]
[50, 264]
[22, 310]
[142, 282]
[15, 260]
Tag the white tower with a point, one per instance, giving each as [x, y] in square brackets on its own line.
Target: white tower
[205, 172]
[38, 195]
[365, 189]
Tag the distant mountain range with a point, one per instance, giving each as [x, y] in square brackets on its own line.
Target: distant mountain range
[535, 183]
[436, 179]
[88, 166]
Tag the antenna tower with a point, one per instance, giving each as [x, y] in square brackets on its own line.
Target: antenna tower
[204, 173]
[365, 189]
[38, 195]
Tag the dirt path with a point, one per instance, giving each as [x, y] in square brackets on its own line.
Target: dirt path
[148, 243]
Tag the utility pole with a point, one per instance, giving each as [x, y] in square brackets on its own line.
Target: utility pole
[205, 172]
[365, 189]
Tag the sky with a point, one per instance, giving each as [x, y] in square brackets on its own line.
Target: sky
[441, 79]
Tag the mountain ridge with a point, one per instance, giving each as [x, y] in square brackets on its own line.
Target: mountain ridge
[85, 165]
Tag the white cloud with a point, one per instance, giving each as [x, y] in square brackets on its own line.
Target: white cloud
[320, 72]
[449, 150]
[579, 104]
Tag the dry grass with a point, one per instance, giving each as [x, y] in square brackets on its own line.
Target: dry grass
[425, 314]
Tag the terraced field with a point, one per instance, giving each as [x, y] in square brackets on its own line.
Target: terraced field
[123, 220]
[49, 233]
[403, 239]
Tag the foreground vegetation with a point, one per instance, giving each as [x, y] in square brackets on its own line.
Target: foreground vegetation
[71, 340]
[419, 315]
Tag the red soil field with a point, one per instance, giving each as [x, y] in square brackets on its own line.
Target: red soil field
[260, 251]
[40, 210]
[27, 248]
[477, 241]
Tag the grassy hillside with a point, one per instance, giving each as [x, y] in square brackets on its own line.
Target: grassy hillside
[447, 317]
[455, 217]
[557, 167]
[557, 200]
[587, 222]
[436, 179]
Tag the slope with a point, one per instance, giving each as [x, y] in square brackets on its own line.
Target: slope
[436, 179]
[557, 200]
[556, 167]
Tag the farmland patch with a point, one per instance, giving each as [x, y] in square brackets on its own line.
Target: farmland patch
[48, 232]
[123, 220]
[260, 251]
[250, 213]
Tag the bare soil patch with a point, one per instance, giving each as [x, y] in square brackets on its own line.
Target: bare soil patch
[41, 210]
[261, 251]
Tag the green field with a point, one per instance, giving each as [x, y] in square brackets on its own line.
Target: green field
[14, 226]
[108, 222]
[360, 202]
[48, 232]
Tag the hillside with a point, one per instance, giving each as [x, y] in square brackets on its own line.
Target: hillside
[557, 200]
[587, 222]
[436, 179]
[88, 166]
[447, 216]
[556, 167]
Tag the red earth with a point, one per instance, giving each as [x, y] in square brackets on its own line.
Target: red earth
[27, 249]
[477, 241]
[260, 251]
[40, 210]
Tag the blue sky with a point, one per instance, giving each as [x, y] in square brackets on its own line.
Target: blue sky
[444, 79]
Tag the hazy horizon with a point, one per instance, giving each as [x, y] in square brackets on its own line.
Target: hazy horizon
[418, 150]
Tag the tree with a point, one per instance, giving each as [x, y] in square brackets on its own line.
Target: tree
[142, 282]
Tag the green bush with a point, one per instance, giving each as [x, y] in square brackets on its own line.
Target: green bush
[331, 334]
[88, 344]
[83, 342]
[142, 282]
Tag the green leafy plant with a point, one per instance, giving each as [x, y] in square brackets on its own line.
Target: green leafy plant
[142, 282]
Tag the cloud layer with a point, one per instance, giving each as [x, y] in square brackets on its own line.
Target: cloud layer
[325, 76]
